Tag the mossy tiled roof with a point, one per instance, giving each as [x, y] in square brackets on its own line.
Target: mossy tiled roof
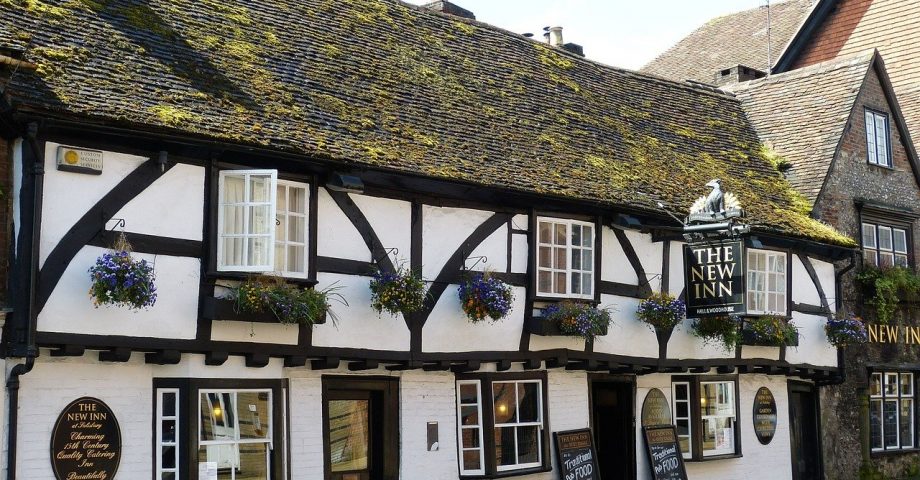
[381, 84]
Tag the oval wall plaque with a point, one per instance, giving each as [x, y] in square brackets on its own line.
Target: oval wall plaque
[86, 441]
[656, 409]
[764, 415]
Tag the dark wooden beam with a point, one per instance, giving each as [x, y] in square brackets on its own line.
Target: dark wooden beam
[532, 364]
[363, 365]
[439, 366]
[467, 366]
[503, 365]
[257, 360]
[408, 365]
[292, 361]
[163, 357]
[68, 351]
[325, 363]
[120, 354]
[723, 369]
[215, 358]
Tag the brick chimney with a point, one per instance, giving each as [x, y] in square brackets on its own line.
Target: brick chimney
[737, 74]
[445, 6]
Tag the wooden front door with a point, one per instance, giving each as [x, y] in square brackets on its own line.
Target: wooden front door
[803, 429]
[360, 429]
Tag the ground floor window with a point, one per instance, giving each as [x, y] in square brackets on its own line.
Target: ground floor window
[501, 422]
[705, 414]
[891, 410]
[234, 428]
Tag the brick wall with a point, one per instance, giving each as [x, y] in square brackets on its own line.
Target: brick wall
[851, 177]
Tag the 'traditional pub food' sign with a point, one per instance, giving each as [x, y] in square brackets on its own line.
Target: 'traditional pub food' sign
[664, 457]
[86, 442]
[714, 278]
[576, 455]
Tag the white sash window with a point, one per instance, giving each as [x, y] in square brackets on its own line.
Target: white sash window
[246, 220]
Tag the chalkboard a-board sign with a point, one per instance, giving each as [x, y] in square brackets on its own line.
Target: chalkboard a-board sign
[576, 455]
[664, 457]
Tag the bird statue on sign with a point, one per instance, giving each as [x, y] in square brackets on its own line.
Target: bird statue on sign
[715, 207]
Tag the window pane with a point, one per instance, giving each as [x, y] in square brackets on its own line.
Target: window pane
[258, 185]
[281, 228]
[891, 384]
[545, 257]
[469, 415]
[169, 457]
[907, 422]
[875, 423]
[505, 453]
[681, 392]
[881, 139]
[576, 283]
[587, 260]
[545, 281]
[900, 260]
[169, 404]
[257, 251]
[260, 222]
[561, 283]
[907, 384]
[233, 220]
[576, 259]
[890, 419]
[586, 284]
[560, 234]
[528, 444]
[884, 238]
[886, 259]
[298, 200]
[505, 402]
[281, 198]
[227, 458]
[870, 137]
[546, 232]
[217, 417]
[587, 238]
[900, 240]
[168, 476]
[561, 260]
[868, 235]
[871, 257]
[295, 258]
[528, 402]
[469, 393]
[471, 460]
[718, 434]
[248, 461]
[875, 384]
[232, 251]
[169, 431]
[683, 409]
[576, 235]
[348, 434]
[233, 189]
[470, 438]
[297, 229]
[253, 414]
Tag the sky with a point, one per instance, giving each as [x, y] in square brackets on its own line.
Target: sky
[622, 33]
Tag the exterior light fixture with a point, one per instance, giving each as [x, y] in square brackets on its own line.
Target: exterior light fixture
[340, 182]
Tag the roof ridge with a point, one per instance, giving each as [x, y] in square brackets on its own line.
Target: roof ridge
[799, 73]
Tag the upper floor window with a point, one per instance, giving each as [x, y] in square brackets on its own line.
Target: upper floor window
[877, 138]
[766, 282]
[884, 246]
[891, 410]
[565, 258]
[261, 223]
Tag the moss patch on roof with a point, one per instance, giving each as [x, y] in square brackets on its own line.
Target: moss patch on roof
[381, 84]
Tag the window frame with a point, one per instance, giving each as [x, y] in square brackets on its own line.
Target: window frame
[882, 398]
[873, 159]
[695, 383]
[246, 204]
[485, 381]
[595, 246]
[877, 225]
[787, 281]
[188, 431]
[308, 194]
[159, 443]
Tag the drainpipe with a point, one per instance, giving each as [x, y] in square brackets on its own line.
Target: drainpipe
[12, 384]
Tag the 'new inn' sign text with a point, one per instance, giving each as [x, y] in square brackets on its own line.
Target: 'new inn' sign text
[715, 278]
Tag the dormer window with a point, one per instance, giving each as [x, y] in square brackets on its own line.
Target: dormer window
[877, 139]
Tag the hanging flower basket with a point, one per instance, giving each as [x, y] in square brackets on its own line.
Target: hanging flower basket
[120, 280]
[769, 331]
[578, 319]
[397, 292]
[288, 303]
[723, 331]
[662, 312]
[846, 330]
[483, 296]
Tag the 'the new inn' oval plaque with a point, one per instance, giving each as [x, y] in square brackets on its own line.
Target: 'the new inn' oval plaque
[86, 441]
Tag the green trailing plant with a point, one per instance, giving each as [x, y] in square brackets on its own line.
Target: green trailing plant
[578, 319]
[724, 331]
[772, 330]
[885, 288]
[289, 304]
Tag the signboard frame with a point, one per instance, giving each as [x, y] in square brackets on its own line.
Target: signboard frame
[734, 305]
[60, 428]
[595, 473]
[681, 467]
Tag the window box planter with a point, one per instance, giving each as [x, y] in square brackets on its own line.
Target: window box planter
[224, 309]
[769, 331]
[751, 339]
[548, 326]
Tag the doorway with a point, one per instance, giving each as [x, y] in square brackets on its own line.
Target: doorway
[804, 430]
[613, 422]
[361, 428]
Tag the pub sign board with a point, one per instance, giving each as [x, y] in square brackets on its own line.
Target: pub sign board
[764, 415]
[714, 278]
[664, 456]
[86, 441]
[576, 455]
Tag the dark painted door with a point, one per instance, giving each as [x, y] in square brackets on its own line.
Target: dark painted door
[361, 429]
[803, 426]
[614, 431]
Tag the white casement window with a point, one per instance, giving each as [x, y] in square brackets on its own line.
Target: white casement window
[766, 282]
[891, 411]
[469, 418]
[884, 246]
[500, 424]
[717, 415]
[246, 220]
[682, 418]
[234, 432]
[168, 444]
[565, 258]
[879, 152]
[292, 204]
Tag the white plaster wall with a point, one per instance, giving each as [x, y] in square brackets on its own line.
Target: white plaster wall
[337, 236]
[449, 330]
[358, 326]
[233, 331]
[391, 220]
[615, 266]
[495, 249]
[676, 279]
[769, 353]
[650, 256]
[68, 195]
[519, 253]
[803, 289]
[825, 272]
[521, 222]
[626, 334]
[171, 207]
[813, 347]
[759, 462]
[684, 345]
[444, 229]
[70, 308]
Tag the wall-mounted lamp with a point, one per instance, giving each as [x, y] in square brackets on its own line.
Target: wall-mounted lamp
[161, 160]
[340, 182]
[218, 412]
[756, 243]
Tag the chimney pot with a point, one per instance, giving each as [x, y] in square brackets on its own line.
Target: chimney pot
[555, 36]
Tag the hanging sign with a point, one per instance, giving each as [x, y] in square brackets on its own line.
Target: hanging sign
[714, 278]
[664, 457]
[576, 455]
[764, 415]
[86, 441]
[79, 160]
[656, 409]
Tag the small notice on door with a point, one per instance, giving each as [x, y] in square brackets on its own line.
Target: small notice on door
[207, 470]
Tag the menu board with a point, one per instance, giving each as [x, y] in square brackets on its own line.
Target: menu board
[86, 441]
[664, 457]
[764, 415]
[576, 455]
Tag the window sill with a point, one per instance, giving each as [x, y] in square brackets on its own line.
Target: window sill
[544, 299]
[713, 458]
[513, 473]
[883, 167]
[893, 452]
[243, 276]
